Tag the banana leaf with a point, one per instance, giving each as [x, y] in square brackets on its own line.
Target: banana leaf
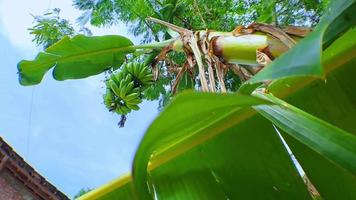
[75, 58]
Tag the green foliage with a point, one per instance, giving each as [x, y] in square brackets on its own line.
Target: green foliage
[157, 88]
[82, 192]
[292, 12]
[200, 14]
[77, 57]
[107, 12]
[50, 28]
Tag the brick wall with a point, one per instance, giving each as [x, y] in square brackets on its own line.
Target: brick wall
[13, 189]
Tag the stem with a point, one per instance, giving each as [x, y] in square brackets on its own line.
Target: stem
[155, 45]
[240, 50]
[169, 25]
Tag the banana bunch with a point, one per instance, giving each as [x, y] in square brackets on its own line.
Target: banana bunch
[140, 72]
[124, 88]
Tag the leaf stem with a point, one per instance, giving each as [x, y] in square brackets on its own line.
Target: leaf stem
[155, 45]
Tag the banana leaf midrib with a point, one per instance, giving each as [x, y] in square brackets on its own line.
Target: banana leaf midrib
[108, 187]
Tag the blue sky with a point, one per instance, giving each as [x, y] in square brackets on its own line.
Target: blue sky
[71, 138]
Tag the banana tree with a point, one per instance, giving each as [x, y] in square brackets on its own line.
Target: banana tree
[83, 56]
[229, 146]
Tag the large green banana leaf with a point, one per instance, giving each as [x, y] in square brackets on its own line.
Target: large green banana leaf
[333, 100]
[186, 176]
[75, 58]
[212, 148]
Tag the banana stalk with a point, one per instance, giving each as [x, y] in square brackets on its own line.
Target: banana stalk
[240, 49]
[255, 45]
[232, 49]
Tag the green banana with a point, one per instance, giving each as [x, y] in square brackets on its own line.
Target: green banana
[129, 87]
[114, 87]
[108, 98]
[119, 111]
[129, 67]
[144, 71]
[118, 78]
[125, 109]
[131, 96]
[147, 79]
[134, 101]
[134, 69]
[135, 90]
[133, 107]
[127, 79]
[114, 78]
[123, 91]
[124, 87]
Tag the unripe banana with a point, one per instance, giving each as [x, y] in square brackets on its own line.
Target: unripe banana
[133, 107]
[122, 83]
[129, 87]
[124, 87]
[119, 110]
[134, 101]
[135, 90]
[114, 78]
[129, 68]
[144, 71]
[131, 96]
[125, 109]
[114, 87]
[127, 79]
[123, 91]
[108, 98]
[118, 79]
[135, 69]
[147, 79]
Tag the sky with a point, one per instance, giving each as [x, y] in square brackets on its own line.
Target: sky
[62, 129]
